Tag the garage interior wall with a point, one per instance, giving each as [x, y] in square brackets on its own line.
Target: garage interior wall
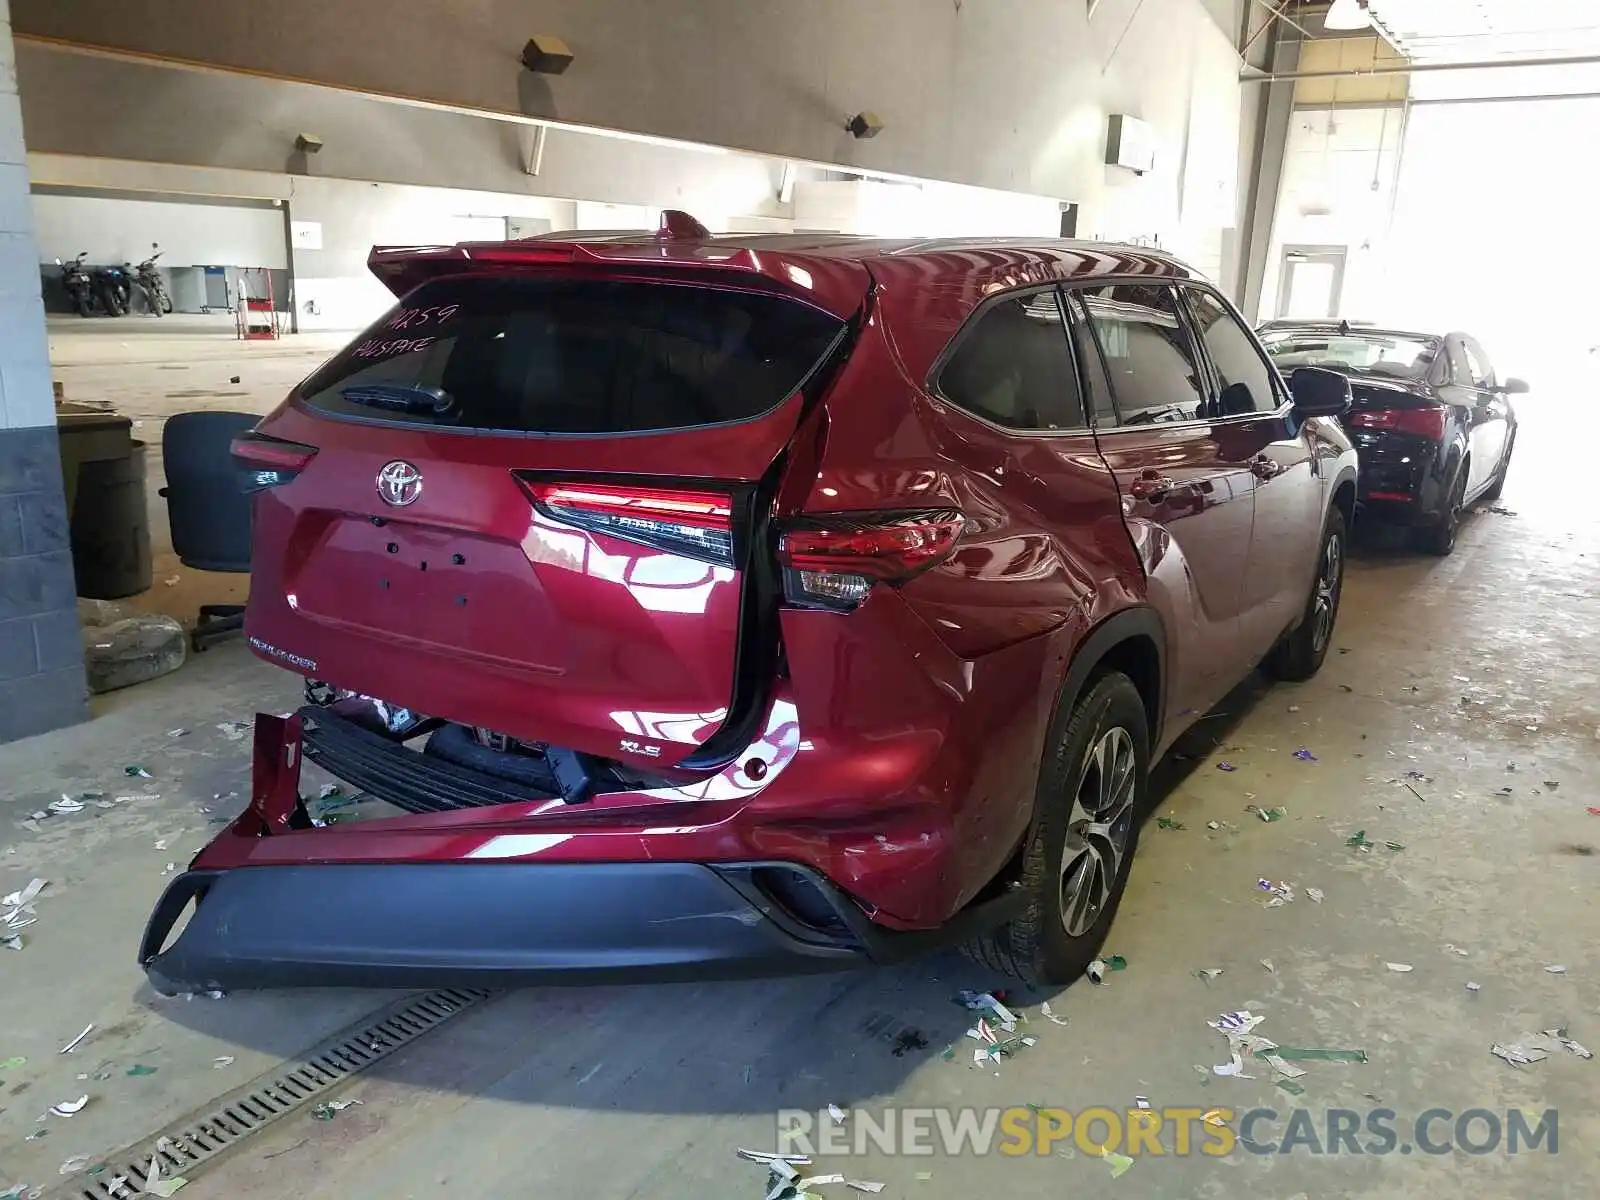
[1006, 95]
[334, 289]
[103, 108]
[116, 229]
[994, 93]
[927, 209]
[1337, 192]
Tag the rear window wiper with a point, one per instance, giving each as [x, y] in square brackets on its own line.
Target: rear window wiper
[401, 397]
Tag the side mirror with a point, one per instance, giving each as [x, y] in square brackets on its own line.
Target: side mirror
[1319, 393]
[58, 262]
[1514, 386]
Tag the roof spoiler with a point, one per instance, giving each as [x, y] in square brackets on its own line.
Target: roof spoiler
[680, 250]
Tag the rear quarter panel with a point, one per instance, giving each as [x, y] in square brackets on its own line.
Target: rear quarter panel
[968, 661]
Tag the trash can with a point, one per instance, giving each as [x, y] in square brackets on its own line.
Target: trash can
[111, 526]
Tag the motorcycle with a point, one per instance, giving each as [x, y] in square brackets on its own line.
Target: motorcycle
[153, 287]
[80, 288]
[111, 286]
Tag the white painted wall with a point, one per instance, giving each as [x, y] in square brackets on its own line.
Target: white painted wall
[121, 230]
[334, 289]
[1338, 190]
[929, 209]
[951, 210]
[600, 216]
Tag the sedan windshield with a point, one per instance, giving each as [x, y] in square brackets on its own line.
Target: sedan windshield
[1367, 352]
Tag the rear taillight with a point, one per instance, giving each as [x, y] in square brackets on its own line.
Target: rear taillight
[1425, 421]
[267, 462]
[693, 523]
[833, 561]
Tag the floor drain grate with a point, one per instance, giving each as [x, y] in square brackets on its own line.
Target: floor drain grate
[198, 1139]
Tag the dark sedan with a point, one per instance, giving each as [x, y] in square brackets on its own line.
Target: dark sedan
[1432, 423]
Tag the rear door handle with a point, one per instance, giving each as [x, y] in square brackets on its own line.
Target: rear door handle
[1263, 467]
[1151, 485]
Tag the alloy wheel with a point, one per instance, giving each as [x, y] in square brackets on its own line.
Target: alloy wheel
[1098, 830]
[1330, 578]
[1458, 496]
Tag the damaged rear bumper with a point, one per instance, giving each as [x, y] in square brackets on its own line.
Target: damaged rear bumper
[485, 893]
[484, 924]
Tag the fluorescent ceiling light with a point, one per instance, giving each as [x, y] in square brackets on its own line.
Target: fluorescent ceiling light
[1347, 14]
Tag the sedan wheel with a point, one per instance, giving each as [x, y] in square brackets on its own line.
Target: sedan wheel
[1325, 601]
[1495, 488]
[1440, 538]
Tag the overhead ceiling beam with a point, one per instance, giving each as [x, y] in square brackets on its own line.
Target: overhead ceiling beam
[1313, 11]
[1388, 35]
[1541, 98]
[1276, 12]
[1580, 60]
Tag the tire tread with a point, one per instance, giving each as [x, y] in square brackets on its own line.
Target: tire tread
[1015, 949]
[1295, 658]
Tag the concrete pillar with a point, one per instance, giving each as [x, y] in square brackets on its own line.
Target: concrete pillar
[41, 653]
[1265, 181]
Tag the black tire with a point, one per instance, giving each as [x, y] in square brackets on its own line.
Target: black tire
[166, 303]
[1498, 484]
[152, 301]
[1300, 655]
[1439, 538]
[84, 307]
[1038, 947]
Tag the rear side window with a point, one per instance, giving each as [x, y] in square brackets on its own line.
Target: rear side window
[575, 356]
[1013, 366]
[1155, 377]
[1246, 378]
[1095, 383]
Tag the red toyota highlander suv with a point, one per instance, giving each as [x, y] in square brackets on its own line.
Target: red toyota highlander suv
[679, 605]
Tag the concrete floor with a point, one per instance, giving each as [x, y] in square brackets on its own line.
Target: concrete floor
[1454, 668]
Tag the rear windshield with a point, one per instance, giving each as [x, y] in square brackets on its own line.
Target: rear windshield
[1366, 352]
[574, 356]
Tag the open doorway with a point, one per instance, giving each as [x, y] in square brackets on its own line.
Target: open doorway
[1310, 282]
[184, 255]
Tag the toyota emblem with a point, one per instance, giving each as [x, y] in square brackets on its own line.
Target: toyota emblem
[399, 483]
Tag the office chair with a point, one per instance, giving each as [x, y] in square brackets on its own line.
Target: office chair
[209, 516]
